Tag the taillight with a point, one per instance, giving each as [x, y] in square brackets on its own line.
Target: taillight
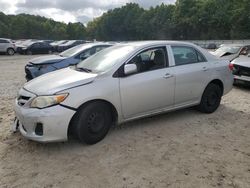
[231, 66]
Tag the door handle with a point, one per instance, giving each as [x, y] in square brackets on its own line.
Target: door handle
[166, 76]
[204, 68]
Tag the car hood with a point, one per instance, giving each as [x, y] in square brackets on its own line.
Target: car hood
[47, 59]
[229, 57]
[221, 55]
[60, 80]
[242, 61]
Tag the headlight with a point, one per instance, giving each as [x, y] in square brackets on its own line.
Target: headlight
[47, 101]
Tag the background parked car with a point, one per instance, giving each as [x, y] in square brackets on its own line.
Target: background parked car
[68, 45]
[23, 43]
[7, 46]
[55, 44]
[72, 56]
[35, 48]
[241, 67]
[230, 51]
[211, 46]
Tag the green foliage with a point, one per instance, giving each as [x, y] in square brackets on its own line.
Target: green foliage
[28, 26]
[185, 20]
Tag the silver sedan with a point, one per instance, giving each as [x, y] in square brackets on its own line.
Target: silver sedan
[119, 84]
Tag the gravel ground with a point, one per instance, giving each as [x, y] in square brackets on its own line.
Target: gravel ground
[178, 149]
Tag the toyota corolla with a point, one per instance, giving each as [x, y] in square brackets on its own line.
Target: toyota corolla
[121, 83]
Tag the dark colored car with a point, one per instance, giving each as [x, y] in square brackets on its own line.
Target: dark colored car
[48, 41]
[211, 46]
[35, 48]
[69, 44]
[72, 56]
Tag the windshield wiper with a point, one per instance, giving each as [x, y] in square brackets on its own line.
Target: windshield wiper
[83, 69]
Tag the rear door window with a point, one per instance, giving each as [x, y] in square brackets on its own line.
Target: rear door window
[184, 55]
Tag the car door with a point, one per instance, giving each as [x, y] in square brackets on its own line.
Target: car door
[151, 88]
[192, 72]
[2, 45]
[35, 48]
[43, 48]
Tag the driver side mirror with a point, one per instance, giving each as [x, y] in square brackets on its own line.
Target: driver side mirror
[130, 69]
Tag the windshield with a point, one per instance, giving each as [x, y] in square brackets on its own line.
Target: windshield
[227, 49]
[75, 50]
[69, 42]
[105, 59]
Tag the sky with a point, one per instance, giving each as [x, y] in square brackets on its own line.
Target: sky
[70, 10]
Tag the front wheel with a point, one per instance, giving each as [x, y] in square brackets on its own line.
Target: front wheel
[211, 99]
[92, 122]
[10, 51]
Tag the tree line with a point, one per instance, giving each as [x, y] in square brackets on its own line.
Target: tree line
[184, 20]
[24, 26]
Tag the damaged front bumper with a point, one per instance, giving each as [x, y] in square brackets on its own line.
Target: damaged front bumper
[43, 125]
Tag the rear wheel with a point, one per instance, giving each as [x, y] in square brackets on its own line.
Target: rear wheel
[92, 122]
[10, 51]
[211, 99]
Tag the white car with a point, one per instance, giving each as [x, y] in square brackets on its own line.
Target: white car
[231, 51]
[121, 83]
[7, 46]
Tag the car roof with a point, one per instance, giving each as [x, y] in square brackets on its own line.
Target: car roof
[148, 44]
[5, 39]
[155, 42]
[82, 47]
[93, 44]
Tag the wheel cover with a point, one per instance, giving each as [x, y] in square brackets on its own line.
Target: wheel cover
[212, 99]
[10, 51]
[96, 122]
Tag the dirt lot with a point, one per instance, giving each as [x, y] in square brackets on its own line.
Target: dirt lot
[179, 149]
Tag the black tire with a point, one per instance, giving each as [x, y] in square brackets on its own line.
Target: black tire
[211, 99]
[92, 122]
[29, 52]
[10, 51]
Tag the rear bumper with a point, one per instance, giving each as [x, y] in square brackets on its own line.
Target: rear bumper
[242, 78]
[53, 120]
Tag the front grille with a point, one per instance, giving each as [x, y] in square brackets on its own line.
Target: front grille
[22, 100]
[241, 71]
